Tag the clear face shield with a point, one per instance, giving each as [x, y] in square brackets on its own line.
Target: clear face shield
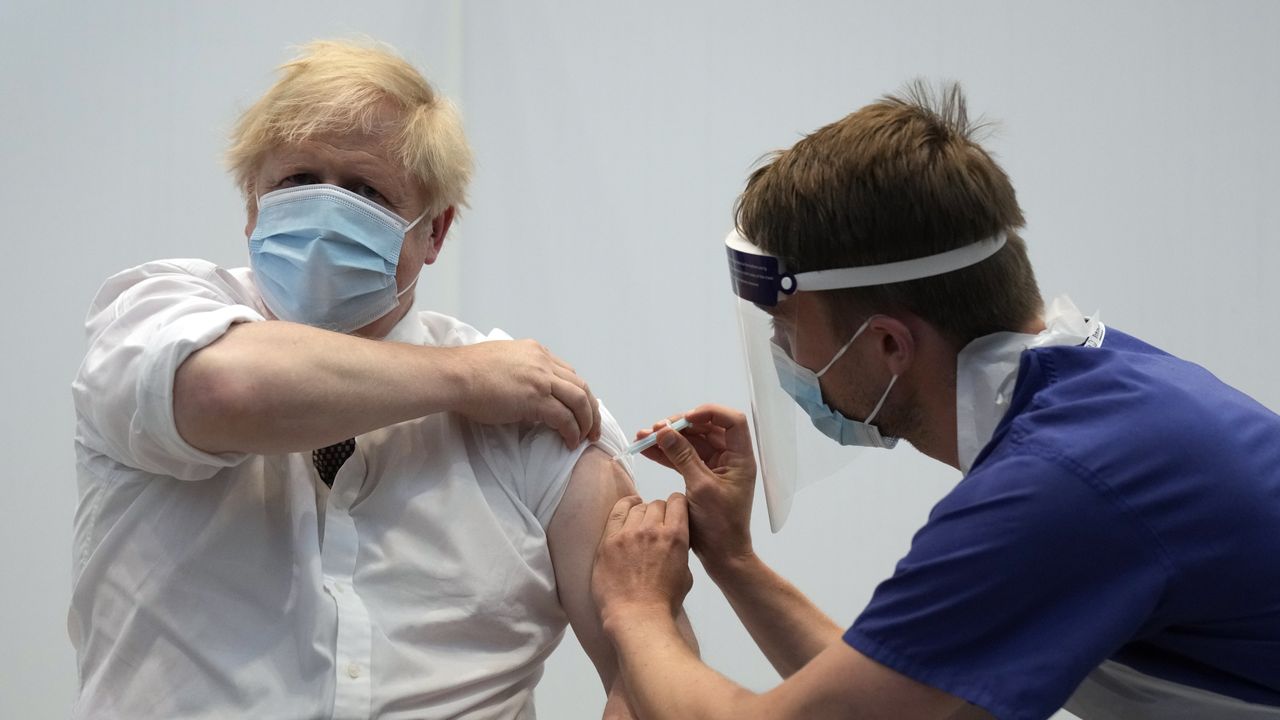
[799, 439]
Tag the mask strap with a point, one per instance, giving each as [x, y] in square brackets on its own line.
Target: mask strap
[880, 404]
[843, 349]
[415, 222]
[409, 286]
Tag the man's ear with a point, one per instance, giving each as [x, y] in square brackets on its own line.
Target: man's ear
[896, 342]
[250, 211]
[439, 228]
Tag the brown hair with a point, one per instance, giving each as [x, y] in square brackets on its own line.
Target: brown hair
[899, 179]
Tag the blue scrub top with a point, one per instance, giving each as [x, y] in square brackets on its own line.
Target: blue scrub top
[1126, 508]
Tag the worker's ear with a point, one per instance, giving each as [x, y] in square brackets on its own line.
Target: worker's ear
[439, 228]
[894, 341]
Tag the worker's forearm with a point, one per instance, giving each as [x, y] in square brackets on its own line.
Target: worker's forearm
[664, 677]
[619, 705]
[686, 631]
[270, 387]
[787, 626]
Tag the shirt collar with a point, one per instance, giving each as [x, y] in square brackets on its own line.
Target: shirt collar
[409, 330]
[987, 372]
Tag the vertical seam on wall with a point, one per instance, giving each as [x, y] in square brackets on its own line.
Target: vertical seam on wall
[457, 56]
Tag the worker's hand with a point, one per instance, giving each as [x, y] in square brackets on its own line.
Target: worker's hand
[642, 561]
[511, 381]
[715, 457]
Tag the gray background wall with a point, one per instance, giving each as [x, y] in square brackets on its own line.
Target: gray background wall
[611, 139]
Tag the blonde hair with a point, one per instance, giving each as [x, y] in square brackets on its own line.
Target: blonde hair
[338, 86]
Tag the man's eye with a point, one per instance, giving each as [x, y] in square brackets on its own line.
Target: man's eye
[302, 178]
[369, 192]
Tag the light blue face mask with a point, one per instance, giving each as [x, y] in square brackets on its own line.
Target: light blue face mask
[803, 385]
[326, 257]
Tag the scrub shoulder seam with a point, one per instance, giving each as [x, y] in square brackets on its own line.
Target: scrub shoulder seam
[1022, 443]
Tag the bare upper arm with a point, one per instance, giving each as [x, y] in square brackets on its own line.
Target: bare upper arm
[596, 484]
[843, 683]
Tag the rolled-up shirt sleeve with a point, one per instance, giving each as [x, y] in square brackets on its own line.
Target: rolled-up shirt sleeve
[142, 325]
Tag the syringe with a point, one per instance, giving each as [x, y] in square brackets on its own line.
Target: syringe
[643, 444]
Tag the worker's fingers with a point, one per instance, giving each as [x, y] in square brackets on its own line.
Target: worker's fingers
[734, 423]
[706, 452]
[655, 454]
[618, 515]
[654, 513]
[681, 453]
[712, 435]
[678, 514]
[635, 516]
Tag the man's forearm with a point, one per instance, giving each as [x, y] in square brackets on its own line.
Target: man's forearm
[271, 387]
[787, 626]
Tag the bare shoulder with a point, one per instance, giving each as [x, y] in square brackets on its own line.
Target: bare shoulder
[597, 482]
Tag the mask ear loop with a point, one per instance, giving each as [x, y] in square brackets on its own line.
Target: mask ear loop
[842, 350]
[880, 404]
[418, 220]
[894, 379]
[409, 287]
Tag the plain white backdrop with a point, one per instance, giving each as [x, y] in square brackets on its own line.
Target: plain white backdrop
[611, 141]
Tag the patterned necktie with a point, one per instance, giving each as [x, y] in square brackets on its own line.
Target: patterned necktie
[328, 459]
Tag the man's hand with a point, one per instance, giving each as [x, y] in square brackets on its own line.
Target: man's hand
[716, 459]
[642, 564]
[511, 381]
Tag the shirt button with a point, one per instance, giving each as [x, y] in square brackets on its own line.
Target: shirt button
[353, 671]
[339, 588]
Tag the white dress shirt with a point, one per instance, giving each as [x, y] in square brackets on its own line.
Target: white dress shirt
[237, 585]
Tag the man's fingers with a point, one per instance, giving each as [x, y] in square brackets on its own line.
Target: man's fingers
[579, 402]
[594, 434]
[592, 426]
[554, 414]
[568, 375]
[561, 363]
[618, 515]
[565, 371]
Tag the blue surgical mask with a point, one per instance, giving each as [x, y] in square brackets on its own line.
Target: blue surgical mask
[803, 385]
[326, 257]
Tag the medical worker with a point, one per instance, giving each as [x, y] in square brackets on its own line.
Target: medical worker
[299, 498]
[1112, 543]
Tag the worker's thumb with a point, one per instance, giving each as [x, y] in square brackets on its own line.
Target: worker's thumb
[680, 452]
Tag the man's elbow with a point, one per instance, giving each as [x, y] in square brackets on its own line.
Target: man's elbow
[212, 399]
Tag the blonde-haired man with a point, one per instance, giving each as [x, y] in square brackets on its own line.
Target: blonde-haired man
[297, 498]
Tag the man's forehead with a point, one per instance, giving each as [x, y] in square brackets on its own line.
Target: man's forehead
[357, 153]
[353, 146]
